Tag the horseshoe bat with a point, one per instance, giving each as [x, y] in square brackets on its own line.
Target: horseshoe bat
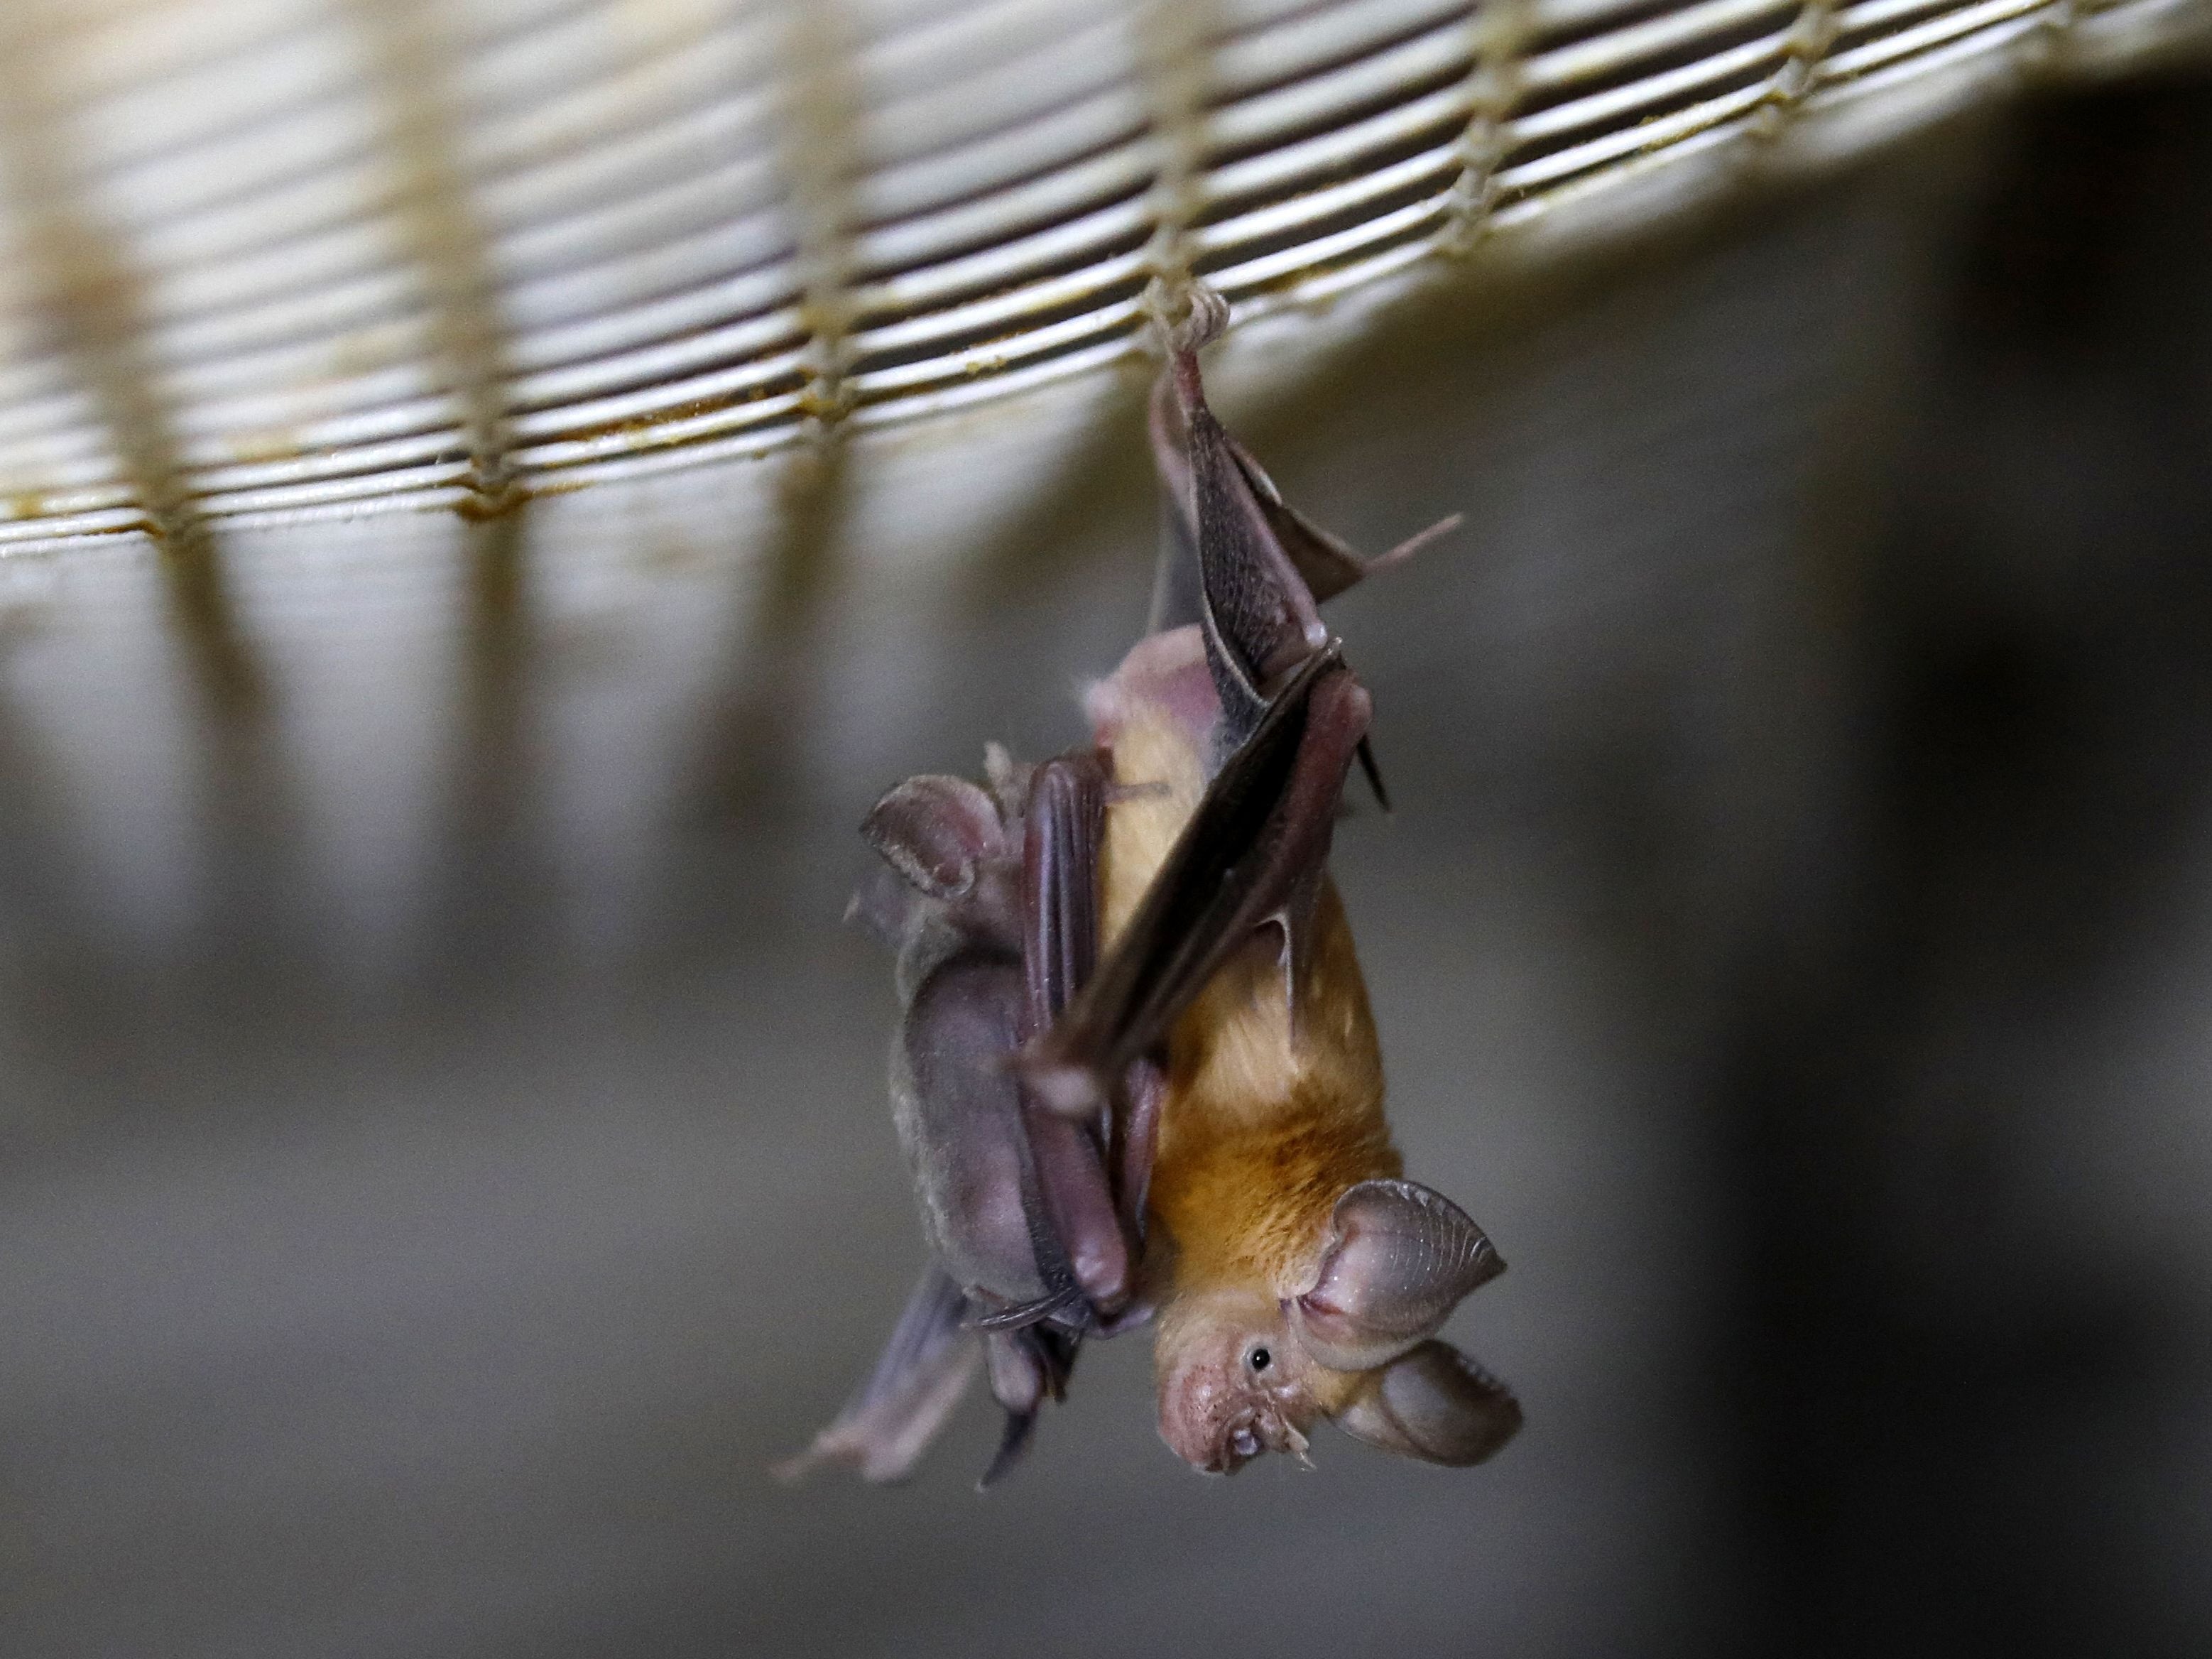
[1137, 1078]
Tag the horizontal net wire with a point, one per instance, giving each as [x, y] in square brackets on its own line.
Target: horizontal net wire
[266, 261]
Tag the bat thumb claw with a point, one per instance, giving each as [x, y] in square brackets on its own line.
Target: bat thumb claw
[1063, 1089]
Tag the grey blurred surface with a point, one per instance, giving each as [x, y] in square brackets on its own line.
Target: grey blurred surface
[427, 1206]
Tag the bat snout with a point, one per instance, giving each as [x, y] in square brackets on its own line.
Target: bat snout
[1218, 1445]
[1218, 1415]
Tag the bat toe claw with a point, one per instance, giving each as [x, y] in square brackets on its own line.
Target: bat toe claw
[1013, 1445]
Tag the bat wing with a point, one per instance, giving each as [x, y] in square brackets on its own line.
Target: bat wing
[1236, 558]
[1249, 572]
[893, 1416]
[1261, 830]
[1084, 1246]
[1028, 1211]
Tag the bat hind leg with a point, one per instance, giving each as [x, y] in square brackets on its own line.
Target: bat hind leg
[1027, 1367]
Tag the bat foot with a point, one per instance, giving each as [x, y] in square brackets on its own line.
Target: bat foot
[1203, 323]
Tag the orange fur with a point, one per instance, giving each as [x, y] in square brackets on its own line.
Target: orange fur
[1264, 1125]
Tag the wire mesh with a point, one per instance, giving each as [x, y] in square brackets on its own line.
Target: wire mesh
[272, 261]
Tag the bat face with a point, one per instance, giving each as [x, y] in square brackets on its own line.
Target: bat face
[1243, 1370]
[1233, 1380]
[1137, 1075]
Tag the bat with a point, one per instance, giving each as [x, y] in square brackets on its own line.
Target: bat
[1136, 1078]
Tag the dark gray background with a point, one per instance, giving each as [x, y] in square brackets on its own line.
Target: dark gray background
[1793, 943]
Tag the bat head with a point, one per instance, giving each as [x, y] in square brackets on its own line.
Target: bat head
[1242, 1371]
[1233, 1380]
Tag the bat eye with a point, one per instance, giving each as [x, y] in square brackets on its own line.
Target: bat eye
[1259, 1360]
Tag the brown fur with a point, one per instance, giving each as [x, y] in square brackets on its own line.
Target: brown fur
[1267, 1119]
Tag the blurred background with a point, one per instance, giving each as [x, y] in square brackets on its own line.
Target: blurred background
[444, 1156]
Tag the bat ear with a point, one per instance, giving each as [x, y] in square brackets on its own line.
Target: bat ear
[936, 831]
[1434, 1404]
[1398, 1259]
